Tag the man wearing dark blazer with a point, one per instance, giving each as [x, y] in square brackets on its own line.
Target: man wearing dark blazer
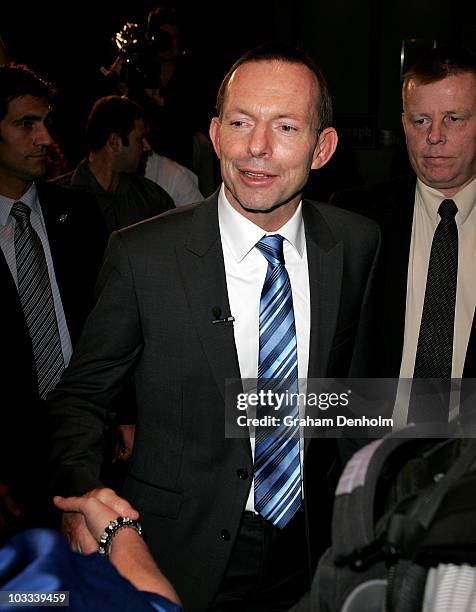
[117, 142]
[73, 238]
[168, 293]
[439, 118]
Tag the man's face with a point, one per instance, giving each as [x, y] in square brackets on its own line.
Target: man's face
[440, 127]
[266, 139]
[130, 155]
[24, 139]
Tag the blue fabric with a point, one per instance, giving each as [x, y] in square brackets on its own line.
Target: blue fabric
[277, 470]
[39, 560]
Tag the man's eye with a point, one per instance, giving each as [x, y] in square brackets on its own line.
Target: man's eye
[237, 123]
[454, 119]
[27, 123]
[288, 128]
[420, 121]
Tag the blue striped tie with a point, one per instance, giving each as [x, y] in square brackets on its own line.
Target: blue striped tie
[277, 470]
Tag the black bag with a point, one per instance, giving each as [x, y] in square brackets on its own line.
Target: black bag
[403, 504]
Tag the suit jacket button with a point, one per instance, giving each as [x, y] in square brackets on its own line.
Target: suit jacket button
[225, 534]
[242, 474]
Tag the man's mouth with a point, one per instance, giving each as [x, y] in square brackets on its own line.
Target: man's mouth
[257, 175]
[436, 158]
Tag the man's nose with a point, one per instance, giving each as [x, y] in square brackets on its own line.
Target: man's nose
[436, 133]
[260, 143]
[42, 135]
[146, 148]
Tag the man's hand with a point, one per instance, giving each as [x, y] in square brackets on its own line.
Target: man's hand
[128, 552]
[124, 443]
[86, 517]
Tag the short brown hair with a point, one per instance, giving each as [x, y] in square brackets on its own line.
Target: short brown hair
[16, 81]
[440, 63]
[109, 115]
[276, 51]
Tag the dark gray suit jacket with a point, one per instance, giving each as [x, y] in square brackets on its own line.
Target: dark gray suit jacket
[160, 284]
[77, 238]
[391, 205]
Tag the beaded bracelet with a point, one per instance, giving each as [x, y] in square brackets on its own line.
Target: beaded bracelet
[111, 530]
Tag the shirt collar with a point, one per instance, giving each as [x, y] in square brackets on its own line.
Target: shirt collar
[30, 198]
[431, 198]
[241, 235]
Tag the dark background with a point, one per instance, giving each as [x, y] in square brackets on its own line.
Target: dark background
[358, 44]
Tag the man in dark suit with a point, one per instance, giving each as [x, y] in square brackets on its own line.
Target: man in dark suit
[117, 143]
[168, 293]
[72, 236]
[439, 118]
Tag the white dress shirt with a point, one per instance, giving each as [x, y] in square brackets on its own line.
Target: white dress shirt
[425, 221]
[7, 244]
[179, 182]
[245, 269]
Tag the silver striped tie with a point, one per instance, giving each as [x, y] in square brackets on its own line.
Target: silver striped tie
[36, 298]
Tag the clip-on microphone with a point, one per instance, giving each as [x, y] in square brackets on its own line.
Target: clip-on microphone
[216, 312]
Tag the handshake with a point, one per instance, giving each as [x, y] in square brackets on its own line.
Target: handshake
[86, 517]
[84, 524]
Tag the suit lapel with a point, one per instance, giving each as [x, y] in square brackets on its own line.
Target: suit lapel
[49, 209]
[203, 274]
[325, 261]
[396, 237]
[55, 214]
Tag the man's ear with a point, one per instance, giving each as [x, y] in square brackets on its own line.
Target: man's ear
[404, 124]
[114, 142]
[325, 147]
[215, 134]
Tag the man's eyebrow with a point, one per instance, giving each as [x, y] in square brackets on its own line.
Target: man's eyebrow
[457, 111]
[28, 118]
[238, 110]
[248, 113]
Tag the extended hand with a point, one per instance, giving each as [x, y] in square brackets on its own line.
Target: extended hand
[86, 517]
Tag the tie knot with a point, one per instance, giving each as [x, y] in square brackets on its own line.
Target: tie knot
[447, 209]
[20, 212]
[272, 248]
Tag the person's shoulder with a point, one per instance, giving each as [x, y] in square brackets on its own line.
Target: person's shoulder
[342, 218]
[172, 226]
[364, 198]
[64, 194]
[153, 189]
[177, 169]
[64, 180]
[74, 210]
[332, 225]
[143, 182]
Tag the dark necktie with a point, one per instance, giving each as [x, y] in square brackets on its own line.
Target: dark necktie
[434, 356]
[277, 470]
[36, 298]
